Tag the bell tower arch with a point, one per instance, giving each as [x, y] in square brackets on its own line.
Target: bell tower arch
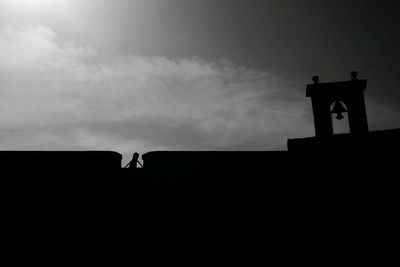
[351, 93]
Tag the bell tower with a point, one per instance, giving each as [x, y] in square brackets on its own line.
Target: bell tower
[348, 93]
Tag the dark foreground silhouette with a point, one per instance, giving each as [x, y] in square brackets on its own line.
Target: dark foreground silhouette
[327, 179]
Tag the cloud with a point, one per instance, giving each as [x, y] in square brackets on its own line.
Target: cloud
[60, 95]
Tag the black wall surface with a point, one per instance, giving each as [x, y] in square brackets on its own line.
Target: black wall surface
[344, 180]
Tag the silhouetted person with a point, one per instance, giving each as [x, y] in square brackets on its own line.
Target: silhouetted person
[133, 163]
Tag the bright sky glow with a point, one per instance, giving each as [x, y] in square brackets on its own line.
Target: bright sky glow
[27, 10]
[32, 5]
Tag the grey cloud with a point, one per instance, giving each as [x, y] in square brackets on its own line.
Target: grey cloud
[57, 95]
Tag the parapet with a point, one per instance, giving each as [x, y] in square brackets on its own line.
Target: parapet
[372, 142]
[213, 160]
[60, 161]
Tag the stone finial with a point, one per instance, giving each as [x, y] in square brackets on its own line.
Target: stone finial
[315, 79]
[354, 75]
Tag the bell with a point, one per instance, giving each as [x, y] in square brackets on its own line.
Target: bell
[339, 116]
[338, 108]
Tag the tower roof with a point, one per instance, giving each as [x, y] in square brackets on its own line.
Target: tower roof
[335, 88]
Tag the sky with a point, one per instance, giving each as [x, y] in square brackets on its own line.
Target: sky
[143, 75]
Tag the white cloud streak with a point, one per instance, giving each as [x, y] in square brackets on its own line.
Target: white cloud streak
[59, 95]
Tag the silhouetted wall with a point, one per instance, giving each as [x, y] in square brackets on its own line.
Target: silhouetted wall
[59, 185]
[214, 160]
[59, 161]
[372, 143]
